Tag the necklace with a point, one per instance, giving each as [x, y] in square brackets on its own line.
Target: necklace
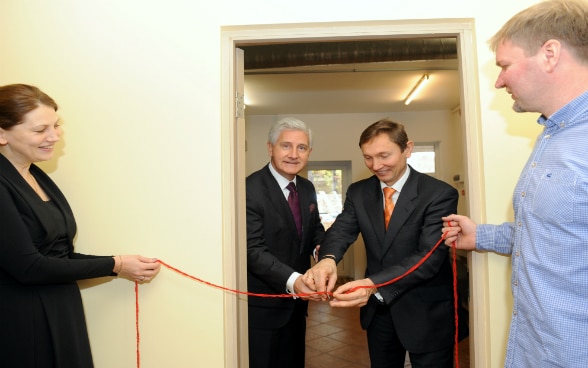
[33, 183]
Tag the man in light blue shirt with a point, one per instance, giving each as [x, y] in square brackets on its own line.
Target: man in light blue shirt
[543, 55]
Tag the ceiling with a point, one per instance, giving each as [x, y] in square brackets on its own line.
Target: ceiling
[350, 77]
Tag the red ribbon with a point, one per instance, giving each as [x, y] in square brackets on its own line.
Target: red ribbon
[409, 271]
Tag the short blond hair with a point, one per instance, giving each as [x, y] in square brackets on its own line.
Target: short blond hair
[562, 20]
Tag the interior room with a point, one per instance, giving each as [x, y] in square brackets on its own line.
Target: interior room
[338, 88]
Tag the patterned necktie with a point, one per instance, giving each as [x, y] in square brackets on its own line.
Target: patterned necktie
[388, 204]
[294, 203]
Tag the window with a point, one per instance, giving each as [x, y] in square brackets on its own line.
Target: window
[330, 179]
[423, 158]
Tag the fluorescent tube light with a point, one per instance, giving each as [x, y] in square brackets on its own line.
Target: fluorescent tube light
[416, 89]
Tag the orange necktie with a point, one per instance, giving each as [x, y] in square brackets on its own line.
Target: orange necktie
[388, 204]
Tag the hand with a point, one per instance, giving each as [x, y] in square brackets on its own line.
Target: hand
[136, 268]
[321, 277]
[459, 231]
[344, 297]
[301, 288]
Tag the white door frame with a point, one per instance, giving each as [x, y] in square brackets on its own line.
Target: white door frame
[233, 153]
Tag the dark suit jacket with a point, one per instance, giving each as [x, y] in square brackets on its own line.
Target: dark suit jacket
[422, 302]
[274, 249]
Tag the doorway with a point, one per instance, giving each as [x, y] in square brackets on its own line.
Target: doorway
[234, 148]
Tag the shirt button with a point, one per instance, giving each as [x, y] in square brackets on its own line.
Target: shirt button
[516, 254]
[533, 164]
[523, 194]
[516, 283]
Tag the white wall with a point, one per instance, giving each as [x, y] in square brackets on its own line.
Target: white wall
[138, 83]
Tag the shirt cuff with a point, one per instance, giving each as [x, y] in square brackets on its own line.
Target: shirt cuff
[379, 297]
[290, 283]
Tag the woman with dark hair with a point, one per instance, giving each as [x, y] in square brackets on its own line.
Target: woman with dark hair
[41, 312]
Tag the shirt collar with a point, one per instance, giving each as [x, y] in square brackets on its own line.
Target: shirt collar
[282, 181]
[567, 114]
[400, 182]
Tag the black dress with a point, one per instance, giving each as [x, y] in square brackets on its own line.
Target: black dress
[42, 322]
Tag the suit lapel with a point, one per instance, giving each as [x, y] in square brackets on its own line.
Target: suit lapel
[403, 208]
[305, 199]
[278, 200]
[374, 208]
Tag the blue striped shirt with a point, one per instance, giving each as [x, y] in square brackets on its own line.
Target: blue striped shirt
[548, 244]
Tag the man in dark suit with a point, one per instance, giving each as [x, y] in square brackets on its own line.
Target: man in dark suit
[414, 314]
[279, 247]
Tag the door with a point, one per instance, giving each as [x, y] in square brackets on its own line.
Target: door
[463, 30]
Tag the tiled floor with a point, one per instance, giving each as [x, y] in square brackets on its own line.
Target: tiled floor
[334, 338]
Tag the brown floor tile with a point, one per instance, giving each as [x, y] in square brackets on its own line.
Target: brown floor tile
[324, 330]
[355, 354]
[334, 338]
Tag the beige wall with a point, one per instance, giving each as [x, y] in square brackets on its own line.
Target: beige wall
[138, 83]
